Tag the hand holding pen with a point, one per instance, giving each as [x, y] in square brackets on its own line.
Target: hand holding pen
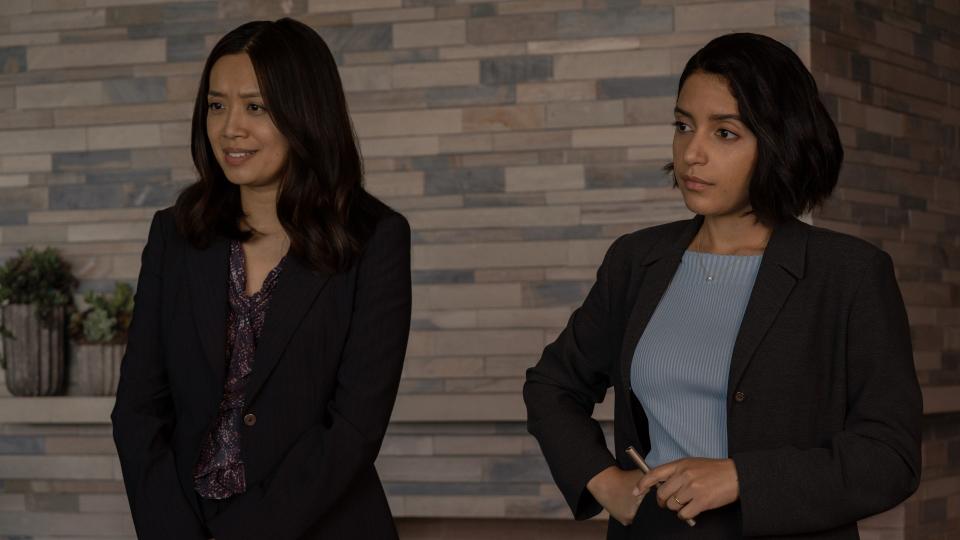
[691, 486]
[635, 456]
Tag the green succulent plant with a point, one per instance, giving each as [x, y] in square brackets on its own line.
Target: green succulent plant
[107, 317]
[38, 277]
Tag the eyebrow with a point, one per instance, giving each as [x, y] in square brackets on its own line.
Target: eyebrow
[715, 117]
[214, 93]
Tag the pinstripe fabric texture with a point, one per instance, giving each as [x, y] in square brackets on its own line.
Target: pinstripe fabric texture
[681, 364]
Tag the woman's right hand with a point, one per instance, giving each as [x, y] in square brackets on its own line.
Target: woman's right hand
[613, 489]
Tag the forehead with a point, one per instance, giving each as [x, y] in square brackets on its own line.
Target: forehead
[705, 95]
[233, 72]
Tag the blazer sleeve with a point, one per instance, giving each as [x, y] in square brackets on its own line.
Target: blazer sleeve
[143, 416]
[874, 462]
[324, 462]
[560, 392]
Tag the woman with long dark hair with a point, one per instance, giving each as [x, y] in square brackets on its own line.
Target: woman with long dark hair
[272, 313]
[761, 366]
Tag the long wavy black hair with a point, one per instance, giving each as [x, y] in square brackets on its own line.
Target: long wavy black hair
[799, 152]
[321, 202]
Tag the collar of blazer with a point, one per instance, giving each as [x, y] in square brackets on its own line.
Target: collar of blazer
[783, 264]
[787, 246]
[208, 271]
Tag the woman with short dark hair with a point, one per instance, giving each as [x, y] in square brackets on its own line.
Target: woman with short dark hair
[272, 314]
[762, 366]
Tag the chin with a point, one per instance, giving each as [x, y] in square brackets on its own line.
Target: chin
[703, 207]
[696, 204]
[233, 179]
[249, 181]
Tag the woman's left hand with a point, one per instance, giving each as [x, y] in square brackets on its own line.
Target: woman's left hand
[692, 485]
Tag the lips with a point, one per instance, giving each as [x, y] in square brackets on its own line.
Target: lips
[695, 183]
[237, 156]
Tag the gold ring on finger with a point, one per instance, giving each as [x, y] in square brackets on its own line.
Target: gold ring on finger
[677, 500]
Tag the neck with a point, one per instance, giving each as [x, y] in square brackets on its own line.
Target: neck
[732, 235]
[260, 206]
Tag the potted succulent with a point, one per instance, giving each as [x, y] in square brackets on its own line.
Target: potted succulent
[99, 335]
[36, 290]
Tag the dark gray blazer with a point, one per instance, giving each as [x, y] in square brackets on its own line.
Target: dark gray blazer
[823, 404]
[324, 380]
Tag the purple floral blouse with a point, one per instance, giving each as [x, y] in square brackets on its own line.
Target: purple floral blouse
[219, 472]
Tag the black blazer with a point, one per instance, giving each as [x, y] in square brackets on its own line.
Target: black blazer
[324, 381]
[823, 404]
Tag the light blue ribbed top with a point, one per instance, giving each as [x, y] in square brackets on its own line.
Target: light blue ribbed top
[681, 364]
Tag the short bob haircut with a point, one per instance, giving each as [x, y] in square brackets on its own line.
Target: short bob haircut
[321, 202]
[798, 148]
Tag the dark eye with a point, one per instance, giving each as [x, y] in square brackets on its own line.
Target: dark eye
[722, 133]
[680, 125]
[215, 106]
[256, 108]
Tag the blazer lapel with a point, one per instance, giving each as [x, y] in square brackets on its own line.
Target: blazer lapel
[208, 271]
[660, 265]
[295, 292]
[782, 265]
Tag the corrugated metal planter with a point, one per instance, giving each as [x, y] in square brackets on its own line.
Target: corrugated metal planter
[95, 369]
[35, 357]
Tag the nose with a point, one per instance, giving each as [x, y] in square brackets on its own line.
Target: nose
[695, 153]
[233, 124]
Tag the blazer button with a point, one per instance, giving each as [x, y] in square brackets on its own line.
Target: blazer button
[250, 419]
[739, 397]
